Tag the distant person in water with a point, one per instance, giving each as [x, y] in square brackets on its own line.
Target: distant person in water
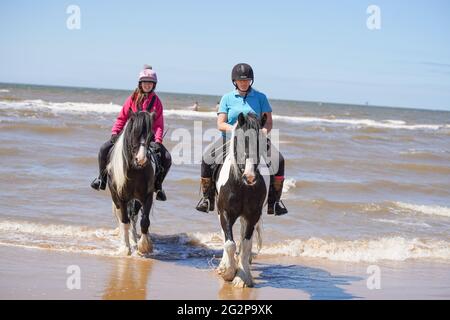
[194, 107]
[217, 106]
[143, 99]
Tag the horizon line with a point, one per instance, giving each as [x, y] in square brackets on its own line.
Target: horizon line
[216, 95]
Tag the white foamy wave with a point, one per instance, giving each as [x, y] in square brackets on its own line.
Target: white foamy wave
[76, 239]
[422, 209]
[4, 90]
[388, 124]
[395, 248]
[404, 223]
[63, 107]
[84, 107]
[288, 184]
[190, 114]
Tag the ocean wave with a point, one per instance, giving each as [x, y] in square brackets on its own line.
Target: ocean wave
[389, 248]
[358, 123]
[370, 250]
[404, 223]
[105, 242]
[85, 107]
[96, 241]
[38, 128]
[419, 167]
[423, 209]
[65, 107]
[4, 90]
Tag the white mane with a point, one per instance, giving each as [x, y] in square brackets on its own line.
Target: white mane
[118, 162]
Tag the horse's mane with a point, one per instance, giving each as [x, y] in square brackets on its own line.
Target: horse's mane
[120, 159]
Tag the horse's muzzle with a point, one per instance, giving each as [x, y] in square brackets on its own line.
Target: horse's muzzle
[141, 164]
[249, 180]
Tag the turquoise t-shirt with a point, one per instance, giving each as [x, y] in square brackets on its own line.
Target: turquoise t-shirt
[233, 103]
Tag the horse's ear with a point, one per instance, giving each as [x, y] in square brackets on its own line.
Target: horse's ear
[153, 115]
[263, 120]
[241, 119]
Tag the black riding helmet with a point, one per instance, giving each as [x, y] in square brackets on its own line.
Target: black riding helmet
[242, 71]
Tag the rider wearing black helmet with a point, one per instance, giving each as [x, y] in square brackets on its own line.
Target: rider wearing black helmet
[245, 100]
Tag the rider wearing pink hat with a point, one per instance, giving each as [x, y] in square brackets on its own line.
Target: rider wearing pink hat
[143, 99]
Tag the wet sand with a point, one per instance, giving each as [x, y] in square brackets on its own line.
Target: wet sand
[42, 274]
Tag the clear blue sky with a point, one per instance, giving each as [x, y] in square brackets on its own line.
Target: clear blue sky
[302, 50]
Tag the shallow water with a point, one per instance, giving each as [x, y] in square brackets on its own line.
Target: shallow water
[363, 183]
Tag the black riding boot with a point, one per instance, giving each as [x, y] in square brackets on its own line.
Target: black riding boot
[275, 205]
[160, 194]
[206, 203]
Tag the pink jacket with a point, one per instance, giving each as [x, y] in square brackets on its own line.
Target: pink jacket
[158, 123]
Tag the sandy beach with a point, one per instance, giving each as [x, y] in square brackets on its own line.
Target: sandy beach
[42, 274]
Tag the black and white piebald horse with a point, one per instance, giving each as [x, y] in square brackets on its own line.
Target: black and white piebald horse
[241, 193]
[131, 177]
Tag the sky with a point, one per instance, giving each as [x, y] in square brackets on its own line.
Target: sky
[299, 50]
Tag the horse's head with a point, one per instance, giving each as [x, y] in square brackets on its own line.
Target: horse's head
[246, 147]
[138, 135]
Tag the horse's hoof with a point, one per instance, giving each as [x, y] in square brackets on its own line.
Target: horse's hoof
[145, 246]
[226, 273]
[124, 251]
[242, 279]
[239, 283]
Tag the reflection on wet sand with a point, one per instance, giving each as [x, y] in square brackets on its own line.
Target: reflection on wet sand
[229, 292]
[128, 279]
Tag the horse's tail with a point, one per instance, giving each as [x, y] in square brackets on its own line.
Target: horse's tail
[118, 162]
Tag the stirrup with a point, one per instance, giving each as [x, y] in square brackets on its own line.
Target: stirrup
[282, 206]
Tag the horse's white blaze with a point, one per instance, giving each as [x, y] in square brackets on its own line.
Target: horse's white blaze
[118, 162]
[140, 157]
[249, 170]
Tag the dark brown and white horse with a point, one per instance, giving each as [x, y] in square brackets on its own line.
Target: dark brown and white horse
[241, 193]
[131, 176]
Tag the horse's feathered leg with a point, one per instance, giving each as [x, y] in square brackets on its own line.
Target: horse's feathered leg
[243, 276]
[133, 212]
[145, 243]
[227, 267]
[124, 227]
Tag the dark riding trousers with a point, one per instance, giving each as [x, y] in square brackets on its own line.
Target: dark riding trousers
[217, 151]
